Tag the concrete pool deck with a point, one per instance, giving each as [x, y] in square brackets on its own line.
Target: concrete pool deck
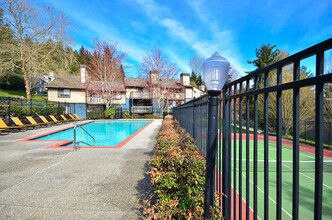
[39, 183]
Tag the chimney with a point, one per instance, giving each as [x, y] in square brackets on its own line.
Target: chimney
[154, 76]
[52, 74]
[202, 87]
[185, 79]
[84, 73]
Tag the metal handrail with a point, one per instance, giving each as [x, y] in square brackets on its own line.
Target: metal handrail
[77, 144]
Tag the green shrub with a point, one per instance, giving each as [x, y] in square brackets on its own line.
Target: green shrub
[94, 115]
[110, 112]
[125, 114]
[134, 115]
[18, 111]
[148, 116]
[178, 175]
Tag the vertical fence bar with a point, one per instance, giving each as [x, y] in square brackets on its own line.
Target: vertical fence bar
[240, 154]
[296, 117]
[234, 156]
[226, 202]
[30, 105]
[266, 147]
[255, 147]
[8, 107]
[247, 154]
[279, 143]
[46, 107]
[305, 131]
[319, 138]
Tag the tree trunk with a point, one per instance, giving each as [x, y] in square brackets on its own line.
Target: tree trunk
[27, 83]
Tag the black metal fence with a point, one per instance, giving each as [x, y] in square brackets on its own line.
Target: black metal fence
[20, 107]
[240, 174]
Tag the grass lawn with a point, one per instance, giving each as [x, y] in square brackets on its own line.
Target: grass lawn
[12, 93]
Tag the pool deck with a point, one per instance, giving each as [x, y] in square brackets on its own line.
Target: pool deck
[56, 183]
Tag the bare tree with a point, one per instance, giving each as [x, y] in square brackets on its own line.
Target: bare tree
[33, 25]
[106, 69]
[162, 70]
[307, 94]
[328, 89]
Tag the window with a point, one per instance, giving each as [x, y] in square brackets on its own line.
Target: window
[64, 93]
[117, 96]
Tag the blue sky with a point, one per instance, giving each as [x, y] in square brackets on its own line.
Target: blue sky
[185, 28]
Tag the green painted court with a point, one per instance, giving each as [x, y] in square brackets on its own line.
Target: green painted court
[306, 181]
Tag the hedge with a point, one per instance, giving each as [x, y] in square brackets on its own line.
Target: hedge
[178, 175]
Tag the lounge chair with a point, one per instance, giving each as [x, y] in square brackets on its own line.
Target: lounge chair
[33, 121]
[45, 121]
[4, 126]
[75, 119]
[65, 119]
[78, 117]
[18, 122]
[55, 120]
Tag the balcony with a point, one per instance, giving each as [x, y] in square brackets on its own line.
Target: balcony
[141, 109]
[95, 100]
[176, 96]
[140, 95]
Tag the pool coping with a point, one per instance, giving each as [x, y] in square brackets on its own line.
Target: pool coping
[60, 143]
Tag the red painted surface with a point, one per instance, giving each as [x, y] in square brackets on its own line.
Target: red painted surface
[218, 189]
[303, 147]
[61, 143]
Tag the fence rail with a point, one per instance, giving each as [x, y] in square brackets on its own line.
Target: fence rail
[10, 106]
[245, 163]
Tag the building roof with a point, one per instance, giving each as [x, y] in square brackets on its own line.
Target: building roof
[136, 82]
[74, 82]
[70, 82]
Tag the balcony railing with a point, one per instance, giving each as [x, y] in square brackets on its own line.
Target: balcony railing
[140, 95]
[141, 109]
[176, 96]
[95, 100]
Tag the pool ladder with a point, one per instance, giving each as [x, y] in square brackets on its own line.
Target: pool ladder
[77, 143]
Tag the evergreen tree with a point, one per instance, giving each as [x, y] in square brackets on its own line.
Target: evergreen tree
[196, 78]
[266, 55]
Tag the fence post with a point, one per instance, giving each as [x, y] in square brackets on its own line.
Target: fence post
[305, 131]
[30, 105]
[46, 107]
[58, 108]
[330, 135]
[211, 152]
[8, 107]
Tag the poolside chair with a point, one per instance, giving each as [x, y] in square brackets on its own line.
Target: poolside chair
[3, 129]
[45, 121]
[75, 119]
[33, 122]
[78, 117]
[55, 120]
[65, 119]
[18, 122]
[4, 126]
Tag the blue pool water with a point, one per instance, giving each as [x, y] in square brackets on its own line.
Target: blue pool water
[106, 133]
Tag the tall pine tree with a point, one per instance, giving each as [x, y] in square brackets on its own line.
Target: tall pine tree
[266, 55]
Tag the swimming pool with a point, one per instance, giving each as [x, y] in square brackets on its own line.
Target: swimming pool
[106, 133]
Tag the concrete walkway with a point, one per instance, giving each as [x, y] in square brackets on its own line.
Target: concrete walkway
[38, 183]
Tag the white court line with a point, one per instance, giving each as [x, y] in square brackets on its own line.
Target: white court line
[327, 186]
[269, 197]
[38, 172]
